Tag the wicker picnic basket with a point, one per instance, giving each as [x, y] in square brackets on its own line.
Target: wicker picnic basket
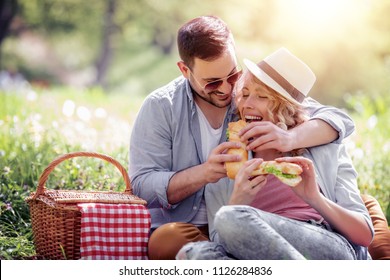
[55, 217]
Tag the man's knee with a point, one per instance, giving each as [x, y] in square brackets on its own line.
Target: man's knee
[166, 241]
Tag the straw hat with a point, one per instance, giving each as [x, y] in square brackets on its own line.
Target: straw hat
[285, 73]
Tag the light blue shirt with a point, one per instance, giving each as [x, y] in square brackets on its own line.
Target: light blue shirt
[166, 139]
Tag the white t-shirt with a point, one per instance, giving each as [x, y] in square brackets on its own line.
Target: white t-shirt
[210, 136]
[210, 139]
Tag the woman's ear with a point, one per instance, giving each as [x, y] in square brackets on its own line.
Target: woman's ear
[183, 69]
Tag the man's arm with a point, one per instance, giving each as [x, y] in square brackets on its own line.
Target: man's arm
[327, 124]
[151, 153]
[336, 118]
[151, 160]
[266, 135]
[188, 181]
[312, 133]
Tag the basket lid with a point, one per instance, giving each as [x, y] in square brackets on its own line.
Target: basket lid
[73, 196]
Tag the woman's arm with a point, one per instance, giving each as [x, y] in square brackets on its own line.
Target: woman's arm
[350, 224]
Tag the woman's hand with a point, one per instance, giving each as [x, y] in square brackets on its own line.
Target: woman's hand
[245, 186]
[308, 188]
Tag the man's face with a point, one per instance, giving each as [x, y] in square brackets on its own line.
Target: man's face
[213, 81]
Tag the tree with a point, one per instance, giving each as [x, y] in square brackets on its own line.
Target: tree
[8, 10]
[105, 57]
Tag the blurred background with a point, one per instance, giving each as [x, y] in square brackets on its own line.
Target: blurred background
[129, 46]
[74, 73]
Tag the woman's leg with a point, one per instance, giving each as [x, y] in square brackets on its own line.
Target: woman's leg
[204, 250]
[249, 233]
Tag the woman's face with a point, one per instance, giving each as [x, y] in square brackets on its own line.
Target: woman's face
[253, 100]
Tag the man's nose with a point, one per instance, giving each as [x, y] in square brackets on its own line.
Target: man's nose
[226, 87]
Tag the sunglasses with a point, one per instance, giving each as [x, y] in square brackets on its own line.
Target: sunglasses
[214, 85]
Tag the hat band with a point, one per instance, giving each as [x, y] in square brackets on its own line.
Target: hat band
[294, 92]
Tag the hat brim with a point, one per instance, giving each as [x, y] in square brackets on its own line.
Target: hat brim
[266, 79]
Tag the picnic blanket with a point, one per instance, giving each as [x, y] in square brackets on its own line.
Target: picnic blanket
[114, 231]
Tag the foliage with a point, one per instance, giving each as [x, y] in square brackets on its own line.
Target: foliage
[335, 40]
[36, 127]
[370, 145]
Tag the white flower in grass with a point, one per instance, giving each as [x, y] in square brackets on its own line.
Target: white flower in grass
[31, 95]
[358, 153]
[100, 113]
[54, 124]
[372, 122]
[68, 108]
[386, 147]
[83, 113]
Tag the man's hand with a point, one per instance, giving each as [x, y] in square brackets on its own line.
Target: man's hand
[214, 167]
[266, 135]
[188, 181]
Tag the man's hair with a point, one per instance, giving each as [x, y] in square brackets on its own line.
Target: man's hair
[205, 37]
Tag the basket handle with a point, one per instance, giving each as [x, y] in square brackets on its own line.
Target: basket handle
[45, 174]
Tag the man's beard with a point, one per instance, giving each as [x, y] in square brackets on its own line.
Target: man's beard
[209, 100]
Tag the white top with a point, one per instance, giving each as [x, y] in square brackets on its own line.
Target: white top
[210, 136]
[210, 139]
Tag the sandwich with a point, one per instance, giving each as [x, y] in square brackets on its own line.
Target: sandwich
[232, 136]
[286, 172]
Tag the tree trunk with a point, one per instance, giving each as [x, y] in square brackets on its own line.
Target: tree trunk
[104, 60]
[8, 10]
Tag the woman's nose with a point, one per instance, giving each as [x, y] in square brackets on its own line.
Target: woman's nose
[249, 102]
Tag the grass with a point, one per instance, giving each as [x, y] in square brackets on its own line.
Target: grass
[37, 126]
[369, 146]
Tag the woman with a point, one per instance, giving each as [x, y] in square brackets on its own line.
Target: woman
[323, 217]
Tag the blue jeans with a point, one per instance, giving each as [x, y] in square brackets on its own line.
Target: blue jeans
[247, 233]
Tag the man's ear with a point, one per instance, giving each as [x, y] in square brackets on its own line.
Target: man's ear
[184, 69]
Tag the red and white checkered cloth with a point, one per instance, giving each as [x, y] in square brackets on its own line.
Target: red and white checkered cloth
[114, 231]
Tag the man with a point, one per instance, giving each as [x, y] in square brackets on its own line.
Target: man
[178, 140]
